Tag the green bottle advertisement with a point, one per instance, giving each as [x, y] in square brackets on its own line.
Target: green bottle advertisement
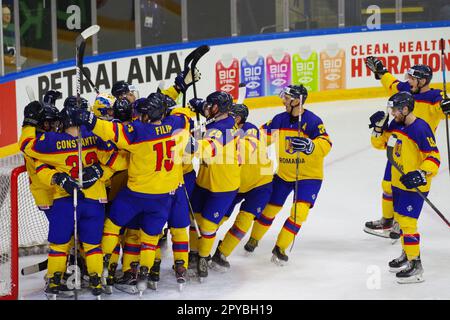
[305, 68]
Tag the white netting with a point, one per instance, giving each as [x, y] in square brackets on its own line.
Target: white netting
[33, 225]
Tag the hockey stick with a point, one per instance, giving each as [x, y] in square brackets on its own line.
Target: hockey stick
[90, 81]
[297, 169]
[390, 155]
[445, 96]
[30, 93]
[195, 54]
[34, 268]
[79, 54]
[191, 212]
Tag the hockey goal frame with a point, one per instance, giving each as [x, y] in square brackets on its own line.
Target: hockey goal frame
[14, 285]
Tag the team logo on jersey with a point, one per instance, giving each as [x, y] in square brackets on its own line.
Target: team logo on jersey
[258, 210]
[216, 214]
[288, 145]
[409, 208]
[130, 129]
[398, 148]
[313, 196]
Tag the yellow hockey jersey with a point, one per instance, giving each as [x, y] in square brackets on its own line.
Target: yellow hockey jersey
[219, 162]
[42, 193]
[427, 105]
[282, 128]
[60, 151]
[155, 164]
[415, 149]
[257, 168]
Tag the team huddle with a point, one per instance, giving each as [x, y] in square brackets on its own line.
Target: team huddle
[137, 179]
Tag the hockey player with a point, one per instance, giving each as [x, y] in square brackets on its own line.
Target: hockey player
[416, 152]
[255, 186]
[152, 176]
[427, 107]
[218, 178]
[44, 119]
[122, 89]
[313, 145]
[60, 151]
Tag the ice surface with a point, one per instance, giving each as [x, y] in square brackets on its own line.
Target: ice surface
[332, 257]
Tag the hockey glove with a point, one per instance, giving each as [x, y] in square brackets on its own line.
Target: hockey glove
[197, 105]
[84, 117]
[51, 96]
[32, 114]
[66, 182]
[414, 179]
[376, 66]
[91, 175]
[445, 106]
[304, 145]
[184, 79]
[379, 121]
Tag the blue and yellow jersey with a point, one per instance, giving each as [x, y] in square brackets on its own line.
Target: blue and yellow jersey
[257, 168]
[415, 150]
[59, 151]
[155, 152]
[42, 193]
[280, 130]
[219, 162]
[427, 105]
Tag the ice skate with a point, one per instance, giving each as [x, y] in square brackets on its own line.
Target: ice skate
[64, 290]
[95, 285]
[380, 228]
[219, 261]
[180, 273]
[142, 280]
[251, 245]
[399, 263]
[279, 257]
[192, 264]
[153, 278]
[202, 268]
[127, 283]
[413, 273]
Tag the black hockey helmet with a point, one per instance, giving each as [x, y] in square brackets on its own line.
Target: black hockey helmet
[66, 116]
[122, 110]
[165, 99]
[50, 97]
[240, 110]
[72, 101]
[295, 92]
[223, 100]
[402, 99]
[421, 71]
[153, 107]
[120, 88]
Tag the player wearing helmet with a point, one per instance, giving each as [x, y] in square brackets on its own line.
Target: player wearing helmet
[313, 145]
[427, 107]
[416, 152]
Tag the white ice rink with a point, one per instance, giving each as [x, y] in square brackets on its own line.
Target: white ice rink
[332, 257]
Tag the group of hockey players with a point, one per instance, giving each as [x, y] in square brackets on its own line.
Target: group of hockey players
[138, 176]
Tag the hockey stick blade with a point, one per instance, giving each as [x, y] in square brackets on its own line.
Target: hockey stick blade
[390, 155]
[242, 93]
[88, 32]
[41, 266]
[30, 93]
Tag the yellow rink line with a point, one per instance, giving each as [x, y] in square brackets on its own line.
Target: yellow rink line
[266, 102]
